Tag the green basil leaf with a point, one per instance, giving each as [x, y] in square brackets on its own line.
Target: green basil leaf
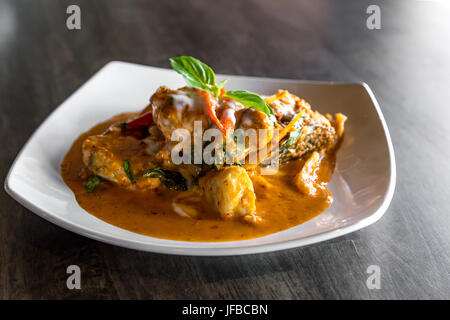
[126, 167]
[196, 73]
[218, 87]
[92, 183]
[221, 84]
[252, 100]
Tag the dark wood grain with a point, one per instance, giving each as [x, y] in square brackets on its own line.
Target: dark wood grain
[406, 63]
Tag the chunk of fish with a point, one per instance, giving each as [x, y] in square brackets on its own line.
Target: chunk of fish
[307, 180]
[248, 119]
[178, 109]
[104, 155]
[313, 132]
[230, 192]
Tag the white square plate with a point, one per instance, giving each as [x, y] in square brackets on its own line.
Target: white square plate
[363, 183]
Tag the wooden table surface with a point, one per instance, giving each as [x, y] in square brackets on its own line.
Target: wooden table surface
[406, 63]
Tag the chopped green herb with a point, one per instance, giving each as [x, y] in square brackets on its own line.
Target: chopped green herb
[92, 183]
[154, 173]
[293, 136]
[126, 167]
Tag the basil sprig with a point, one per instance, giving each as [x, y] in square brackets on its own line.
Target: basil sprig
[199, 75]
[196, 73]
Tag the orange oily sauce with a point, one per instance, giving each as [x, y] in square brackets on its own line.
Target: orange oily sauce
[278, 202]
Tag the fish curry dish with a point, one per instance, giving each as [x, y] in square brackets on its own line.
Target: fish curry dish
[201, 163]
